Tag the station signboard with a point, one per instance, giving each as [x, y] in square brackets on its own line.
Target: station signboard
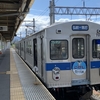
[3, 28]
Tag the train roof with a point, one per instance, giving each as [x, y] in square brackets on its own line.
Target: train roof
[82, 22]
[61, 23]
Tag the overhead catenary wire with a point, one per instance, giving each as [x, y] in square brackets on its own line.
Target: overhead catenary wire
[46, 10]
[42, 13]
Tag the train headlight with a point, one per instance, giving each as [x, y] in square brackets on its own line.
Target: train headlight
[56, 73]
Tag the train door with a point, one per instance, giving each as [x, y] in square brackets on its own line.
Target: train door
[35, 51]
[80, 60]
[24, 51]
[95, 62]
[41, 56]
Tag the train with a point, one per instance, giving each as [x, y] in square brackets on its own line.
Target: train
[67, 55]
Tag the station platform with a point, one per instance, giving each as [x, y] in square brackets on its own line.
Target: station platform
[17, 81]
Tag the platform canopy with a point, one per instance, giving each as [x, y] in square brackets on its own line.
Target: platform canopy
[12, 14]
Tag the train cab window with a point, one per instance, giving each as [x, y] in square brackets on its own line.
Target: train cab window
[78, 48]
[58, 49]
[96, 48]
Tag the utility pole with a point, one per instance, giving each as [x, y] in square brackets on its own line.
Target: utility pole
[20, 35]
[52, 15]
[33, 25]
[26, 31]
[83, 3]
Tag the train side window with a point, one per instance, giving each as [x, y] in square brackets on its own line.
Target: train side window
[0, 43]
[58, 49]
[78, 48]
[96, 48]
[21, 46]
[29, 47]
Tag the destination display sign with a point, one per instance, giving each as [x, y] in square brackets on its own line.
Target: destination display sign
[78, 27]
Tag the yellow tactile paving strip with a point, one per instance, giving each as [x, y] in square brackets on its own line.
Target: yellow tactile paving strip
[16, 92]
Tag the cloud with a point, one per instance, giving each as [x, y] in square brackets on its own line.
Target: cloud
[40, 21]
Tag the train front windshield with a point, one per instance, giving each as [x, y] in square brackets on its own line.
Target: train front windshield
[58, 49]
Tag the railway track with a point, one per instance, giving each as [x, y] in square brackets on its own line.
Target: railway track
[74, 96]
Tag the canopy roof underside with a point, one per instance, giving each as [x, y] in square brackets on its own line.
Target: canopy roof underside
[12, 13]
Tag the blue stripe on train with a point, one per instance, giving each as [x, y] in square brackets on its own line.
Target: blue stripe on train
[95, 64]
[67, 66]
[62, 66]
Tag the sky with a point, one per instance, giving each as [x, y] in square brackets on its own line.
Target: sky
[40, 12]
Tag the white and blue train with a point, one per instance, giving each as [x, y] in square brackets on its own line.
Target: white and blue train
[66, 55]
